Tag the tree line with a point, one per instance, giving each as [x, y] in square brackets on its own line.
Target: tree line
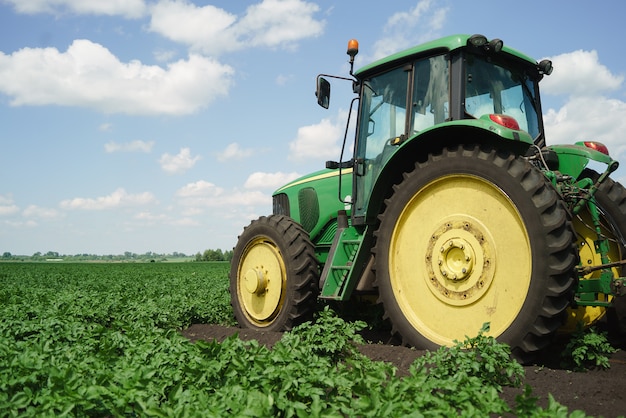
[150, 256]
[214, 255]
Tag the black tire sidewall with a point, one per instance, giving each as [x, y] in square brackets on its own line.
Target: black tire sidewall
[273, 229]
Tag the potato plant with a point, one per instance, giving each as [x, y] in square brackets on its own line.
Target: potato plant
[103, 340]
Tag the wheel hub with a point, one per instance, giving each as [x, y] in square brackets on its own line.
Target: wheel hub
[459, 261]
[254, 281]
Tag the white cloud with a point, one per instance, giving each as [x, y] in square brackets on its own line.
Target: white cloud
[20, 224]
[580, 73]
[33, 211]
[179, 163]
[133, 146]
[279, 22]
[89, 75]
[203, 25]
[105, 127]
[164, 55]
[119, 198]
[204, 194]
[126, 8]
[589, 118]
[232, 199]
[234, 152]
[317, 141]
[150, 217]
[261, 180]
[7, 205]
[211, 30]
[588, 113]
[405, 29]
[6, 210]
[199, 188]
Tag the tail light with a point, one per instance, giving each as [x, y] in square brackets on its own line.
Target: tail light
[598, 146]
[505, 120]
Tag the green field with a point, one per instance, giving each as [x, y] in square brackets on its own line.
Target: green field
[103, 340]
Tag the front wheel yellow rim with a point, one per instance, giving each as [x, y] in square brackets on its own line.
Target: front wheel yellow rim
[261, 281]
[460, 256]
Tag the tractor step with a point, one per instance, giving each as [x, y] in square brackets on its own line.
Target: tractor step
[340, 263]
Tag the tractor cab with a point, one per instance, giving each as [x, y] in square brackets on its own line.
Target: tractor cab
[414, 96]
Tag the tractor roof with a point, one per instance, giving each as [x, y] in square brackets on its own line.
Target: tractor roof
[441, 45]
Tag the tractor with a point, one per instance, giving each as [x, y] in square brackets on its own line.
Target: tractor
[449, 209]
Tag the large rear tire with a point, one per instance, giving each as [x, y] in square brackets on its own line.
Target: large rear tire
[611, 199]
[473, 236]
[273, 275]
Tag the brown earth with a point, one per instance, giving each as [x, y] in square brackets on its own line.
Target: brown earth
[597, 392]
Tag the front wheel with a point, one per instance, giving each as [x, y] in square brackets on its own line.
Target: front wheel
[273, 275]
[473, 236]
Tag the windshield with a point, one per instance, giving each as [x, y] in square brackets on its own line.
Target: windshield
[491, 88]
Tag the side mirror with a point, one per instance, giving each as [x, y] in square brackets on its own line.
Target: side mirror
[323, 92]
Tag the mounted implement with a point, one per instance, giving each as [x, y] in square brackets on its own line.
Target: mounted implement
[452, 209]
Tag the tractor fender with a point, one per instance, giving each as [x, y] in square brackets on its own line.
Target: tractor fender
[434, 139]
[574, 158]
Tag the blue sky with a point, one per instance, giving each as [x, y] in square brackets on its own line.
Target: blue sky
[161, 125]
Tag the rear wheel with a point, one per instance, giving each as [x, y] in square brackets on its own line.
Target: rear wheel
[273, 275]
[611, 199]
[470, 237]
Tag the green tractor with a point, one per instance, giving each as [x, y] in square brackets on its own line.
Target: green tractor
[451, 209]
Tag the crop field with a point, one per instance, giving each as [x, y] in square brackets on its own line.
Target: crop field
[103, 339]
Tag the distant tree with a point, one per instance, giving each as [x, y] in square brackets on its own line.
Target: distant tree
[218, 255]
[214, 255]
[208, 255]
[6, 254]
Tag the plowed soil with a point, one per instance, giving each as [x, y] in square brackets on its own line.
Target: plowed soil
[597, 392]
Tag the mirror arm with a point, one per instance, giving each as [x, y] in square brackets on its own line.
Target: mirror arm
[335, 76]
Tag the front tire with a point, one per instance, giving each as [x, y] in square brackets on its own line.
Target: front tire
[473, 236]
[273, 275]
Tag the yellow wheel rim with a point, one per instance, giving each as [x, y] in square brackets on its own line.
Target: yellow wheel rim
[459, 257]
[261, 281]
[589, 315]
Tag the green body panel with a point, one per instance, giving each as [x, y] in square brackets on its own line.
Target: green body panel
[574, 158]
[324, 183]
